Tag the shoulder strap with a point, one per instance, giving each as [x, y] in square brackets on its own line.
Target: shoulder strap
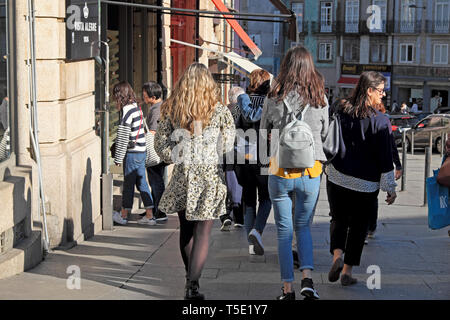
[292, 111]
[140, 123]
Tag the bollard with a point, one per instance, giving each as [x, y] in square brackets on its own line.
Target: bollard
[412, 142]
[427, 173]
[431, 140]
[442, 143]
[403, 186]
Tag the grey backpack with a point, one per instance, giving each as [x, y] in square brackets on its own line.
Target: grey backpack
[296, 144]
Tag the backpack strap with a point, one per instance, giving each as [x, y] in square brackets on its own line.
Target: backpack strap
[288, 106]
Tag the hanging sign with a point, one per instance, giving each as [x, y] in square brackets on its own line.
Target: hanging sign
[82, 29]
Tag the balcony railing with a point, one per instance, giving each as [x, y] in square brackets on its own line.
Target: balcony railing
[352, 26]
[322, 27]
[326, 26]
[438, 26]
[408, 27]
[376, 29]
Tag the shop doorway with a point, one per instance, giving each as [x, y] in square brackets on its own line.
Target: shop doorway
[443, 94]
[135, 53]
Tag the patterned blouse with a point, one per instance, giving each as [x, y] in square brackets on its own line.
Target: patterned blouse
[198, 182]
[387, 181]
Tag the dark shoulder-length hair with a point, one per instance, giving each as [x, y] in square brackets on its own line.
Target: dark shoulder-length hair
[358, 104]
[123, 94]
[259, 82]
[298, 73]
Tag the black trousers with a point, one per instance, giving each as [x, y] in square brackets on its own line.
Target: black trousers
[373, 217]
[350, 212]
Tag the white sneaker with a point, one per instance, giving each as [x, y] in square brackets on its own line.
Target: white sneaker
[147, 221]
[117, 218]
[255, 238]
[251, 249]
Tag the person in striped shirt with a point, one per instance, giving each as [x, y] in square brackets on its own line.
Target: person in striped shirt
[131, 152]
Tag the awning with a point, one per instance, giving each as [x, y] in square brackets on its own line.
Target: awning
[237, 28]
[348, 81]
[244, 65]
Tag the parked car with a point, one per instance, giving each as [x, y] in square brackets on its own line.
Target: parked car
[399, 121]
[437, 124]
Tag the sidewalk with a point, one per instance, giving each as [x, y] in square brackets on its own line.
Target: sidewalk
[142, 262]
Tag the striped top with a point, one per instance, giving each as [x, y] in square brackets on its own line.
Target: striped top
[127, 132]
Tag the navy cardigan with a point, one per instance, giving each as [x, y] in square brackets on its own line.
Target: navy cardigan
[365, 147]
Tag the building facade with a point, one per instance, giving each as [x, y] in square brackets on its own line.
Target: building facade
[70, 98]
[406, 40]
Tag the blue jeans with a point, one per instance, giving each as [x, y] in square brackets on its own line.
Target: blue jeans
[134, 175]
[306, 191]
[155, 177]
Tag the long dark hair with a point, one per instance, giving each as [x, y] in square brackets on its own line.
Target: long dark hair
[123, 94]
[358, 104]
[298, 73]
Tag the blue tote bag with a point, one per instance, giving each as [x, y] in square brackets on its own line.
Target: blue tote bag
[438, 209]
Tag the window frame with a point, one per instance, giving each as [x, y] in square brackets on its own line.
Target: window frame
[437, 12]
[330, 51]
[351, 44]
[328, 26]
[383, 16]
[348, 24]
[441, 45]
[300, 28]
[413, 53]
[377, 45]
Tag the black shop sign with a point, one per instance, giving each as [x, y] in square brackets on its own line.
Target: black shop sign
[82, 29]
[357, 69]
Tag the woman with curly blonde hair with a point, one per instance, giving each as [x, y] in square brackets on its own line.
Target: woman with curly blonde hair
[194, 121]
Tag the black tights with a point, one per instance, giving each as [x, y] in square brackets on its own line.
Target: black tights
[194, 243]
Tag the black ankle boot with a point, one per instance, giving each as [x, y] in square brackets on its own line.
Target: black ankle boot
[191, 292]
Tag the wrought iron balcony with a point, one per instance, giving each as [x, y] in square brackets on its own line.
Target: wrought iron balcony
[408, 27]
[438, 26]
[323, 27]
[351, 26]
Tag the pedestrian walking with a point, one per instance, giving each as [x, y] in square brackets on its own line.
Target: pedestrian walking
[298, 93]
[373, 216]
[254, 183]
[404, 109]
[130, 151]
[194, 126]
[362, 166]
[235, 208]
[152, 96]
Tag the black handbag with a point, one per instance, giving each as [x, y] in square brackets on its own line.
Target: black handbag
[331, 143]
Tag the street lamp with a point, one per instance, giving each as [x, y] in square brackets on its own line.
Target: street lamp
[416, 7]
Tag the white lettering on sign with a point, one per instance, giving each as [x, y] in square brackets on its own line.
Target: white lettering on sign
[85, 26]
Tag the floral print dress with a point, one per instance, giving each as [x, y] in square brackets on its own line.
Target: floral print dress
[198, 182]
